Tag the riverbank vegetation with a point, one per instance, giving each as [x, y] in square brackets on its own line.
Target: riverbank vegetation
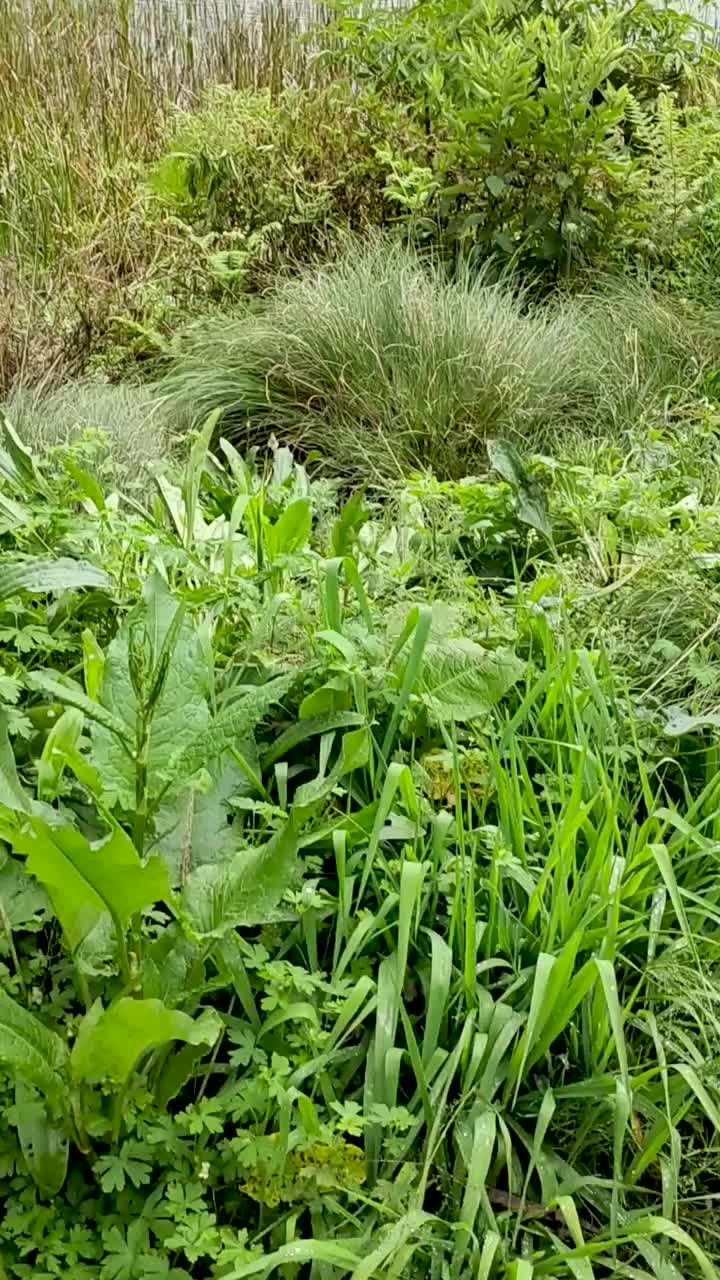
[359, 663]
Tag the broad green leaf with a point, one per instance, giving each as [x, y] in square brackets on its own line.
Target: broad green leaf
[193, 827]
[32, 1052]
[531, 505]
[86, 483]
[84, 880]
[347, 525]
[230, 729]
[93, 664]
[11, 792]
[40, 574]
[303, 729]
[245, 890]
[21, 461]
[44, 1145]
[180, 715]
[495, 184]
[354, 754]
[61, 741]
[23, 902]
[679, 722]
[62, 689]
[110, 1041]
[13, 515]
[460, 680]
[290, 533]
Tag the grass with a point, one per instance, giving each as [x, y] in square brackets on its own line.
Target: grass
[120, 422]
[384, 365]
[88, 93]
[359, 805]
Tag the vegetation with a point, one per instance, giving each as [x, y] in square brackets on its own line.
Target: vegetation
[384, 365]
[359, 643]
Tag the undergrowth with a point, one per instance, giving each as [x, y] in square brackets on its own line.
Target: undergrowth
[341, 801]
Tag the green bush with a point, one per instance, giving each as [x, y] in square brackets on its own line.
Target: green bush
[287, 175]
[528, 118]
[383, 365]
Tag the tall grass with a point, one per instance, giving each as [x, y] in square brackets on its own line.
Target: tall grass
[87, 88]
[384, 365]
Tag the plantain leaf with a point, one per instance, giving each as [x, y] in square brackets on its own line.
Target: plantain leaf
[84, 881]
[110, 1041]
[39, 574]
[460, 680]
[292, 530]
[31, 1051]
[180, 714]
[243, 891]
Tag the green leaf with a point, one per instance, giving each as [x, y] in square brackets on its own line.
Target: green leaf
[245, 890]
[495, 184]
[23, 902]
[86, 483]
[348, 524]
[40, 574]
[21, 460]
[679, 723]
[180, 715]
[61, 742]
[44, 1145]
[11, 792]
[460, 680]
[85, 880]
[110, 1041]
[230, 729]
[292, 530]
[93, 665]
[31, 1051]
[62, 689]
[193, 826]
[531, 505]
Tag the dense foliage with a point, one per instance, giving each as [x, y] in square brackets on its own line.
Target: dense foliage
[335, 798]
[359, 667]
[551, 138]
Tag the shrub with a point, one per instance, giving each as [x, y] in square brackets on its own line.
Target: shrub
[528, 143]
[287, 174]
[383, 364]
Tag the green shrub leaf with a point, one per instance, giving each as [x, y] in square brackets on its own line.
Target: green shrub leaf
[110, 1041]
[461, 680]
[245, 890]
[180, 714]
[31, 1051]
[40, 574]
[85, 880]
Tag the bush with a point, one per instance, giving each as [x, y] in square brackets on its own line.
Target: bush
[287, 174]
[528, 118]
[383, 364]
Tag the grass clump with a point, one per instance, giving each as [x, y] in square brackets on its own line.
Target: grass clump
[383, 364]
[118, 426]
